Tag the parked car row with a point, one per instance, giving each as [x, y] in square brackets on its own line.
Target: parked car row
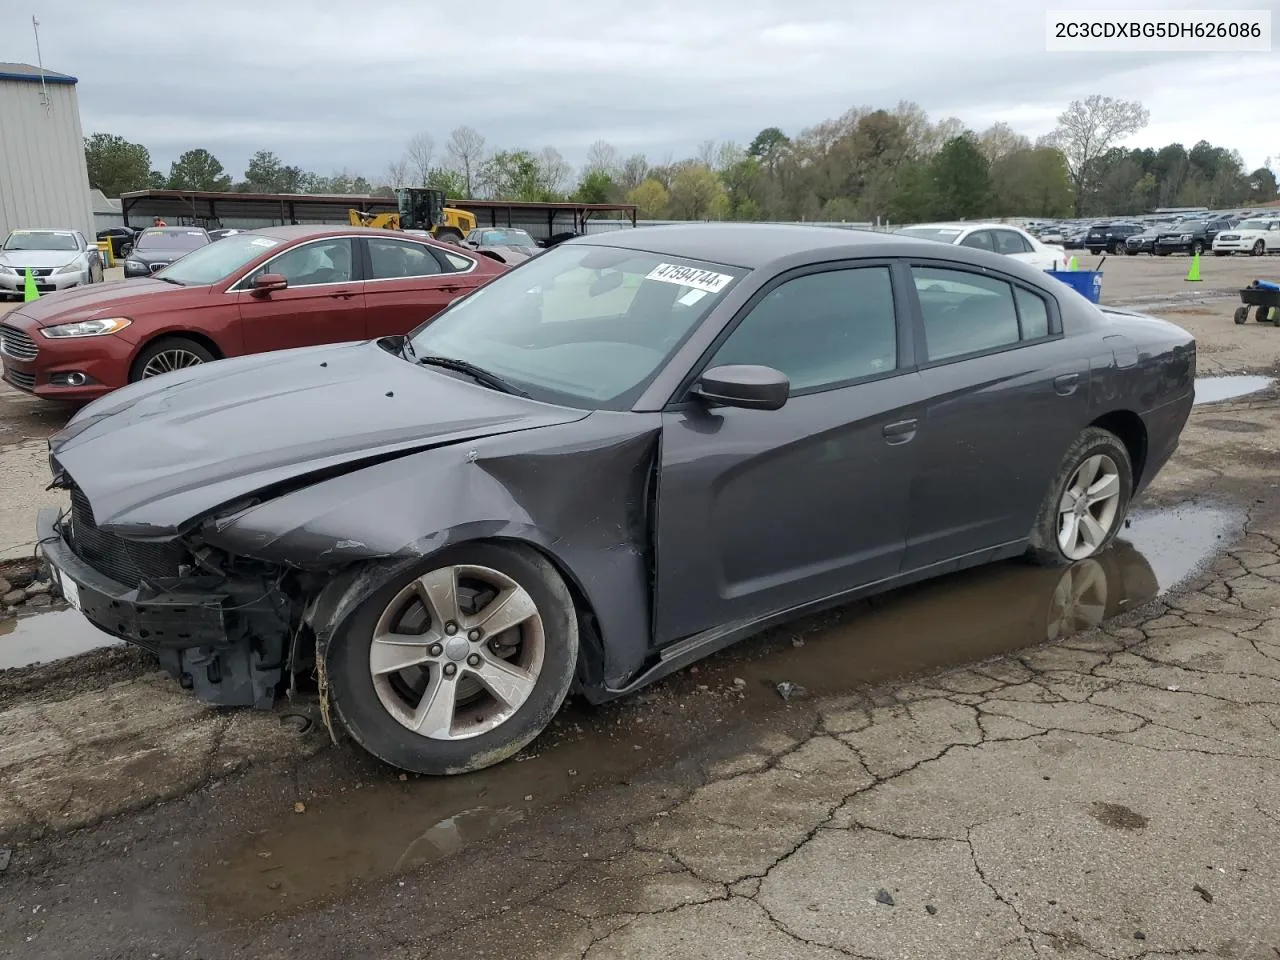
[994, 237]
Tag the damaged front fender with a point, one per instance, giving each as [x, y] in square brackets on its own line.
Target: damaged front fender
[581, 493]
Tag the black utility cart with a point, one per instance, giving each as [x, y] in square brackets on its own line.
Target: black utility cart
[1264, 299]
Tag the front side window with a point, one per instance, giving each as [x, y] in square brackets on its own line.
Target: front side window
[588, 326]
[820, 329]
[310, 264]
[979, 240]
[1008, 242]
[964, 312]
[398, 259]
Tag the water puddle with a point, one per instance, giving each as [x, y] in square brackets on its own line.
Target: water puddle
[41, 637]
[389, 826]
[1217, 389]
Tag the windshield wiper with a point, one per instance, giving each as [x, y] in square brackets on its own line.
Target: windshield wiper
[176, 283]
[479, 374]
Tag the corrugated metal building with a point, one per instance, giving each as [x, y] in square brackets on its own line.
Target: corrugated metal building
[43, 178]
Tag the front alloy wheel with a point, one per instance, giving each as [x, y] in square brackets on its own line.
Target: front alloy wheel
[458, 666]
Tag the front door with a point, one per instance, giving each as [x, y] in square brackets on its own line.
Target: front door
[1007, 397]
[323, 303]
[760, 511]
[407, 285]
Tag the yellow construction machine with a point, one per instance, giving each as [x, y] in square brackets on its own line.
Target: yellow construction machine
[420, 208]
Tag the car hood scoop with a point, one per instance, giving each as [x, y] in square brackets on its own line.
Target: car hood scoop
[156, 455]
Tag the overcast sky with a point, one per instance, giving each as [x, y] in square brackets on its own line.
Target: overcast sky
[328, 84]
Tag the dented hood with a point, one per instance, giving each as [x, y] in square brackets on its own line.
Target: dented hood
[156, 455]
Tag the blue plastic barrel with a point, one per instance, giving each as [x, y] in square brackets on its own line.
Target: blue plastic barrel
[1087, 283]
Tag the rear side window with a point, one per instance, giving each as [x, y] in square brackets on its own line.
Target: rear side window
[399, 259]
[964, 313]
[1008, 242]
[1033, 314]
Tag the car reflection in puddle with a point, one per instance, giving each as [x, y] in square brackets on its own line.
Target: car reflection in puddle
[392, 826]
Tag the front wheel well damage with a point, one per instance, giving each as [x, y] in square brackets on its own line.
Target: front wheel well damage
[334, 600]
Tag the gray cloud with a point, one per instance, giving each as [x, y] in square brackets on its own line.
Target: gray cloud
[328, 85]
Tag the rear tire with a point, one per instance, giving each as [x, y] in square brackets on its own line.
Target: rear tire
[384, 706]
[449, 235]
[1096, 466]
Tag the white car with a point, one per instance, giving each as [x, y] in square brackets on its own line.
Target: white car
[1258, 236]
[57, 259]
[996, 237]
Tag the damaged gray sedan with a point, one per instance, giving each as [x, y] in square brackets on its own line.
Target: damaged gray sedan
[617, 458]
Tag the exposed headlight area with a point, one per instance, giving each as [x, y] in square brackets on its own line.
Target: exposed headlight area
[86, 328]
[70, 268]
[135, 265]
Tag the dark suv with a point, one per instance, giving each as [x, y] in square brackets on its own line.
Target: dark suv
[1110, 236]
[1191, 236]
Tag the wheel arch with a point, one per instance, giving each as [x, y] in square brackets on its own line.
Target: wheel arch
[1132, 432]
[340, 597]
[203, 339]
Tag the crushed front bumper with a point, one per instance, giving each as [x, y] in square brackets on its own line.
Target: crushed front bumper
[199, 642]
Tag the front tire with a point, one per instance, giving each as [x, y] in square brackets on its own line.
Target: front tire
[166, 355]
[458, 667]
[1086, 503]
[1259, 248]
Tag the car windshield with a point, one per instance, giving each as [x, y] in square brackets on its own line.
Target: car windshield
[506, 238]
[217, 261]
[39, 240]
[171, 240]
[1255, 224]
[944, 234]
[582, 325]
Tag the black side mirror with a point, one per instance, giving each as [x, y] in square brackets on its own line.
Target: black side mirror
[744, 385]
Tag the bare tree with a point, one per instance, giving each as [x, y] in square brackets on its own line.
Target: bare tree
[602, 156]
[633, 171]
[421, 150]
[1088, 128]
[554, 172]
[999, 140]
[398, 173]
[466, 153]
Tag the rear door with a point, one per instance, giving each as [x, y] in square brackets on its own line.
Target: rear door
[1008, 395]
[408, 283]
[761, 510]
[979, 240]
[323, 303]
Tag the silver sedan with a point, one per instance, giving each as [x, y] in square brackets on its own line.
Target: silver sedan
[57, 259]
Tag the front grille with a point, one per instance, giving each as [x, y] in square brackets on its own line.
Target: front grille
[27, 381]
[16, 343]
[124, 561]
[153, 267]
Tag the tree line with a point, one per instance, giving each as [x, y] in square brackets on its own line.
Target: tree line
[893, 165]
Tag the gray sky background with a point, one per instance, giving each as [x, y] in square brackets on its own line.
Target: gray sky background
[330, 85]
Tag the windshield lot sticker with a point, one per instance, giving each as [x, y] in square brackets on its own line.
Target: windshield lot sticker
[692, 297]
[706, 280]
[263, 242]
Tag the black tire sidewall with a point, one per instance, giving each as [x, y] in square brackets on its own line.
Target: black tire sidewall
[159, 346]
[1044, 547]
[373, 728]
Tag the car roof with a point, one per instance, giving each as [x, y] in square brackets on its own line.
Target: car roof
[173, 229]
[752, 245]
[62, 230]
[961, 225]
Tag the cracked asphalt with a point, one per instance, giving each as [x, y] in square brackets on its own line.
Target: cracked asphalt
[942, 792]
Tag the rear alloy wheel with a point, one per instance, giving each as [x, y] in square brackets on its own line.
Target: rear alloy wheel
[1259, 248]
[1087, 502]
[167, 355]
[460, 666]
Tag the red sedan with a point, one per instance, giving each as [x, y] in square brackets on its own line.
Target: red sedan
[267, 289]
